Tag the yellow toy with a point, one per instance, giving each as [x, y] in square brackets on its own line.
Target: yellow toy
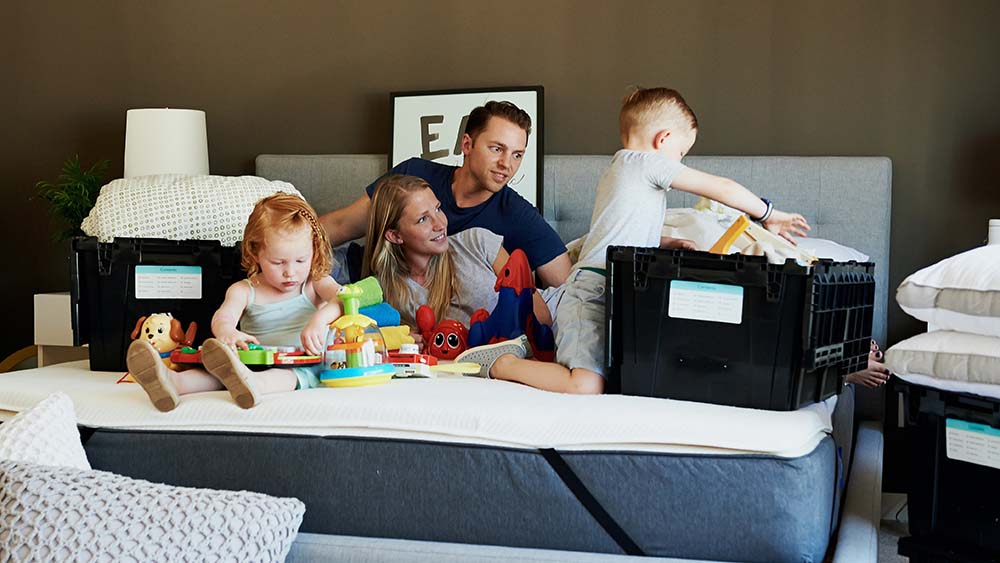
[396, 336]
[744, 233]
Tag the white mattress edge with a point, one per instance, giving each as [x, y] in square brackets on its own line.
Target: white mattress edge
[545, 420]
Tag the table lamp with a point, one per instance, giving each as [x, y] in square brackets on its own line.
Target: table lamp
[165, 141]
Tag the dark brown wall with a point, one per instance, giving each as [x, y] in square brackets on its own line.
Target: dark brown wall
[913, 80]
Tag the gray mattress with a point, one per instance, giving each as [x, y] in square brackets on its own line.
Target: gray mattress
[719, 507]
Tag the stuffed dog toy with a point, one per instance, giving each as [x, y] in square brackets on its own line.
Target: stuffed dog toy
[165, 333]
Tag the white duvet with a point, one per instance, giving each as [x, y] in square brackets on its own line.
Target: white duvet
[451, 409]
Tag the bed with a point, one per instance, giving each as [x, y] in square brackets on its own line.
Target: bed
[461, 464]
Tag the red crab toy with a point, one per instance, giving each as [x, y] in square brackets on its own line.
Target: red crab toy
[444, 340]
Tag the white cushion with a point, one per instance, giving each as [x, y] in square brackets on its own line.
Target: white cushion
[701, 226]
[960, 293]
[45, 434]
[953, 356]
[179, 207]
[822, 248]
[58, 514]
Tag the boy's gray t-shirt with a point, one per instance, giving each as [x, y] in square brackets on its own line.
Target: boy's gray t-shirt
[630, 205]
[473, 252]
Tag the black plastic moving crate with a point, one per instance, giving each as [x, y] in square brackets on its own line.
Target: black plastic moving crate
[954, 503]
[935, 550]
[106, 303]
[741, 332]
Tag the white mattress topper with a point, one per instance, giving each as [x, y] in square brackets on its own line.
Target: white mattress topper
[448, 409]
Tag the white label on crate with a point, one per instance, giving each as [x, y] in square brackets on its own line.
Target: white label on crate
[699, 301]
[972, 442]
[168, 282]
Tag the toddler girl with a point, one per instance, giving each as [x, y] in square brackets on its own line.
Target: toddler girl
[288, 299]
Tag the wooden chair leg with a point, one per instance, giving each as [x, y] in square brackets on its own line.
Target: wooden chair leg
[15, 359]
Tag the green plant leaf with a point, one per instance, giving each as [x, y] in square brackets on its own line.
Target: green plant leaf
[74, 193]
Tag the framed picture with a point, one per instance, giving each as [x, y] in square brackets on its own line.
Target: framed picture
[430, 125]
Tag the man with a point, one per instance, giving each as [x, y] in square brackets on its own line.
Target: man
[476, 194]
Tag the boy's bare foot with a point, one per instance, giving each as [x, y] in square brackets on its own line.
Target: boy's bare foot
[224, 363]
[147, 368]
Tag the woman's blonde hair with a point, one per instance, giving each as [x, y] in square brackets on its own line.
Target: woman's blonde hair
[284, 212]
[386, 261]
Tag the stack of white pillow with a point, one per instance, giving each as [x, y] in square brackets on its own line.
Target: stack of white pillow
[959, 298]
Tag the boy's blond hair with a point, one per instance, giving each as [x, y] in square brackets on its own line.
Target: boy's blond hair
[284, 212]
[661, 108]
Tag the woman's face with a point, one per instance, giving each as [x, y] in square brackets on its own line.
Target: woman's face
[423, 227]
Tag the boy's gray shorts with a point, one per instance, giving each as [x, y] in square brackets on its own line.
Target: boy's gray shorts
[579, 322]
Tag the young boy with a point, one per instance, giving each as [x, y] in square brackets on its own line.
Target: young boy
[657, 130]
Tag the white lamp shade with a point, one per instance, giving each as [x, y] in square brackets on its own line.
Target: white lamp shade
[165, 141]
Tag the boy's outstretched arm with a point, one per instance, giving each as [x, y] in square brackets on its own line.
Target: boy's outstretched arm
[733, 194]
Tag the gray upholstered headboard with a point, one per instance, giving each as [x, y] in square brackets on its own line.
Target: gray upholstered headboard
[845, 199]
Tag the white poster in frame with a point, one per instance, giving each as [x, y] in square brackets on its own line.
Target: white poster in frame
[430, 125]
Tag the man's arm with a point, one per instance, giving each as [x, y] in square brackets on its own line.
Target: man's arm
[347, 223]
[554, 272]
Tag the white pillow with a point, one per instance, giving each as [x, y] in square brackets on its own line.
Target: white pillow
[179, 207]
[822, 248]
[45, 434]
[954, 356]
[960, 293]
[59, 514]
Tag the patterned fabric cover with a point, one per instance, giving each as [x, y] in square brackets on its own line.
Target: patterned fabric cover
[45, 434]
[179, 207]
[58, 514]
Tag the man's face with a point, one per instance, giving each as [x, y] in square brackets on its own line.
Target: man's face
[494, 156]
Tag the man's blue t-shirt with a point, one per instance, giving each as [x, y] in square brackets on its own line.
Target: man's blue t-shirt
[505, 213]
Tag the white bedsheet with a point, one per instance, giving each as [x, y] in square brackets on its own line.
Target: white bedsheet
[450, 409]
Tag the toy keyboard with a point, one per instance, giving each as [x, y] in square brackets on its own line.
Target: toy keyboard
[257, 356]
